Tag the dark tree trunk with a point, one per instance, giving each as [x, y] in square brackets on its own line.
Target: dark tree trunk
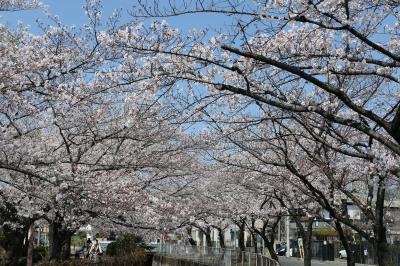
[208, 238]
[206, 231]
[242, 246]
[14, 244]
[270, 246]
[381, 245]
[345, 243]
[66, 247]
[254, 237]
[192, 242]
[221, 237]
[60, 242]
[267, 236]
[189, 232]
[54, 241]
[307, 238]
[306, 235]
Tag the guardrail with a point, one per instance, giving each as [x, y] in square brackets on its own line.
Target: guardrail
[214, 256]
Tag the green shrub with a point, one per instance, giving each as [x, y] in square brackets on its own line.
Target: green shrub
[39, 253]
[127, 250]
[21, 261]
[139, 258]
[3, 239]
[125, 245]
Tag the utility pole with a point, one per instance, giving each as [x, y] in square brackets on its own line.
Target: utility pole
[38, 237]
[279, 232]
[287, 236]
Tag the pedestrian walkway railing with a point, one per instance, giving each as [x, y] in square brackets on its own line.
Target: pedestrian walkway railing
[214, 256]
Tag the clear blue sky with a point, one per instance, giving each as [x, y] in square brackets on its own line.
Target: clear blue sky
[71, 13]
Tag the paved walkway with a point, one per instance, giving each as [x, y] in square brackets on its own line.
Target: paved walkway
[285, 261]
[228, 257]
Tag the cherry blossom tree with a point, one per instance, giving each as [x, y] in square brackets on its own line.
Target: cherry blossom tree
[331, 66]
[15, 5]
[80, 142]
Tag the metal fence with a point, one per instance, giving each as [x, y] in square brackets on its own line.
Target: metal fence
[363, 252]
[213, 256]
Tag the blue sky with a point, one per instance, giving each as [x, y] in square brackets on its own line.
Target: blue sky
[71, 13]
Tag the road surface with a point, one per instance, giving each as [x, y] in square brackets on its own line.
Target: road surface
[298, 262]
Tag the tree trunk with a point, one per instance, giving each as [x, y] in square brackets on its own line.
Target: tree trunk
[208, 238]
[54, 241]
[242, 246]
[270, 246]
[307, 238]
[14, 244]
[343, 239]
[381, 245]
[66, 247]
[254, 238]
[190, 239]
[268, 236]
[29, 256]
[221, 237]
[60, 242]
